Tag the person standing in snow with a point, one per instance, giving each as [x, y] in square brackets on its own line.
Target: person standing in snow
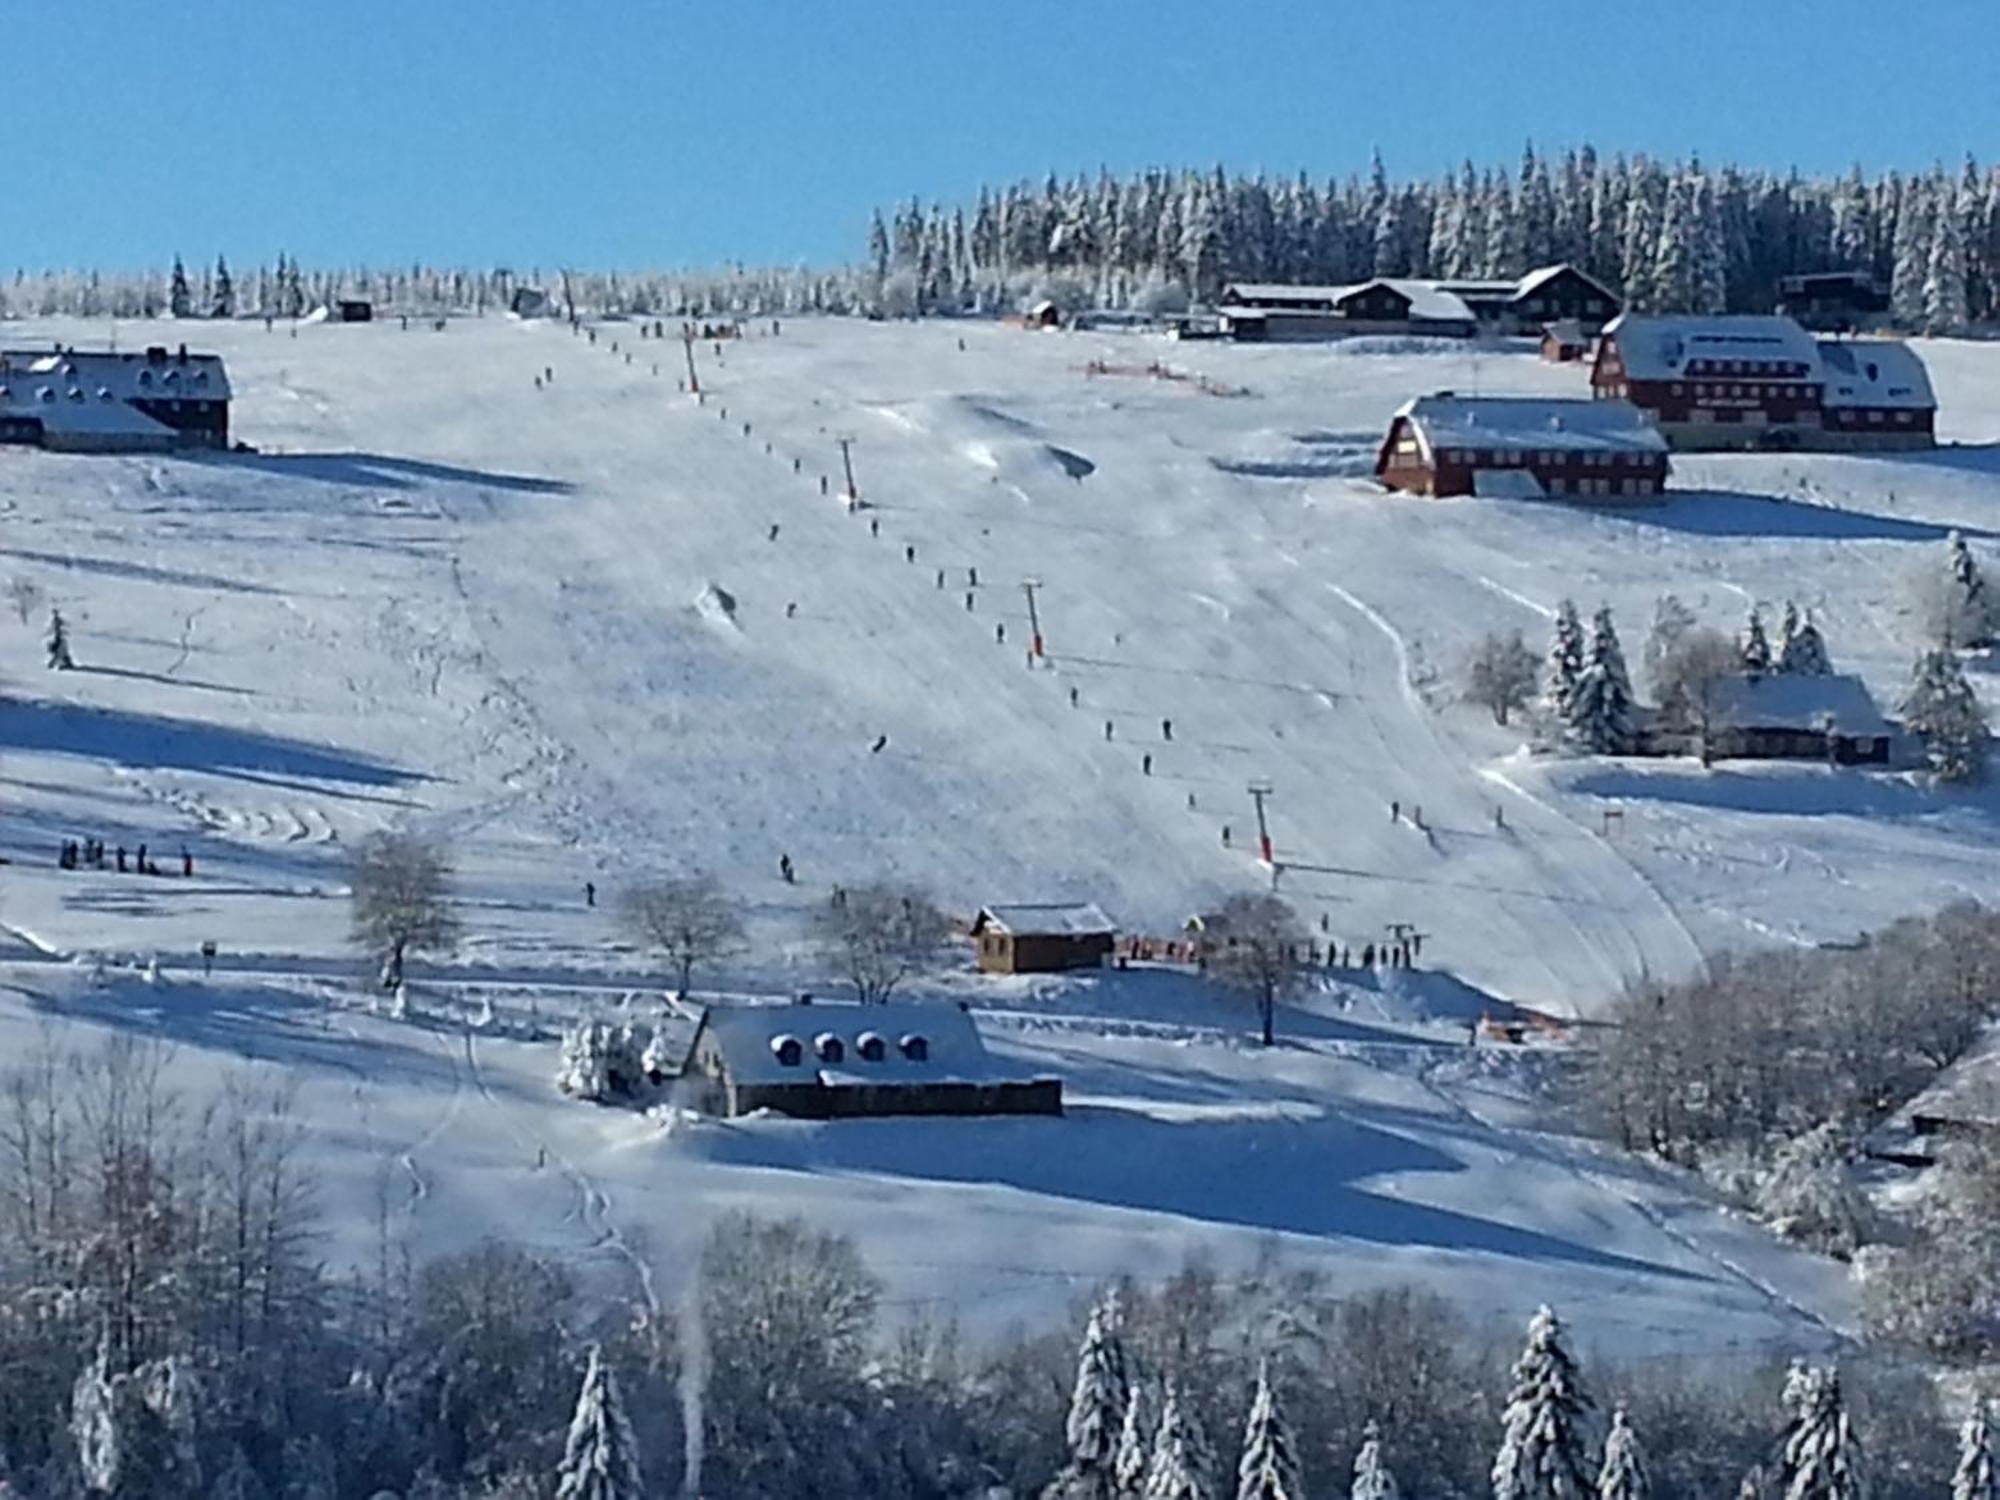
[880, 744]
[1146, 763]
[1395, 812]
[1000, 633]
[774, 531]
[791, 608]
[940, 577]
[785, 869]
[910, 553]
[1072, 697]
[968, 603]
[590, 893]
[972, 577]
[1225, 835]
[1107, 730]
[187, 863]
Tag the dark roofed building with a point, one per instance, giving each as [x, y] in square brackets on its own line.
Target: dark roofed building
[839, 1061]
[1785, 716]
[100, 401]
[1833, 301]
[1042, 937]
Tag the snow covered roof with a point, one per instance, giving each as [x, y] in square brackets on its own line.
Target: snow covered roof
[1283, 294]
[1045, 919]
[1521, 422]
[1966, 1093]
[1428, 300]
[906, 1042]
[1875, 372]
[129, 375]
[62, 407]
[1566, 331]
[1660, 348]
[1541, 275]
[1793, 700]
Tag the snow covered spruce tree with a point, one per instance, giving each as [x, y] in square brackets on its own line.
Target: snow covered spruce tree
[1975, 1478]
[878, 936]
[1801, 648]
[1672, 620]
[180, 301]
[1099, 1403]
[1564, 665]
[1261, 958]
[1957, 609]
[1544, 1447]
[1622, 1476]
[1601, 717]
[224, 305]
[1754, 648]
[1942, 708]
[1819, 1456]
[689, 921]
[1268, 1468]
[600, 1456]
[401, 898]
[1182, 1467]
[1500, 674]
[1373, 1479]
[1135, 1445]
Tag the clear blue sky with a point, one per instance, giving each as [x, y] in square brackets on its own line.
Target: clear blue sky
[627, 133]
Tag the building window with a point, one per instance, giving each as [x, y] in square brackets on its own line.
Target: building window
[1875, 415]
[1677, 389]
[1902, 419]
[829, 1047]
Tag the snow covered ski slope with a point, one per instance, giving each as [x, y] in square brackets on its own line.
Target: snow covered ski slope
[589, 628]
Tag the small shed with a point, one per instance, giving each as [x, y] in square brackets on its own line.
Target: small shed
[819, 1061]
[529, 302]
[1043, 314]
[354, 310]
[1022, 937]
[1564, 342]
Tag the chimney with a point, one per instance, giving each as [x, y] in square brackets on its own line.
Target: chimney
[156, 354]
[184, 353]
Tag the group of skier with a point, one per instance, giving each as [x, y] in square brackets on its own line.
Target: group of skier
[91, 854]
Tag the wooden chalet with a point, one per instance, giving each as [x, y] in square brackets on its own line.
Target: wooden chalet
[1833, 301]
[819, 1061]
[1522, 447]
[1764, 382]
[113, 402]
[1042, 938]
[1255, 311]
[1782, 716]
[1564, 342]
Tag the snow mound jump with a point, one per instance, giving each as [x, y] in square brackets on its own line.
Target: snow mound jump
[1075, 465]
[717, 605]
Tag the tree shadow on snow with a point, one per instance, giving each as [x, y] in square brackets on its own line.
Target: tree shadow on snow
[1789, 791]
[378, 471]
[1290, 1175]
[1728, 513]
[148, 740]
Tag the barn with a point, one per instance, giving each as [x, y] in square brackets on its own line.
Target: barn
[1524, 447]
[74, 401]
[1042, 937]
[819, 1061]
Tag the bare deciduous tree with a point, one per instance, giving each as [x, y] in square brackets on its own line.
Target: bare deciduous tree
[1690, 678]
[879, 935]
[689, 920]
[1258, 955]
[26, 597]
[1501, 674]
[401, 892]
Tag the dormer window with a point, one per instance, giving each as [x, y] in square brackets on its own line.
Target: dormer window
[916, 1048]
[871, 1047]
[829, 1047]
[787, 1050]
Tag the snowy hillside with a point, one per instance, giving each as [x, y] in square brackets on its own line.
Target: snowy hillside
[595, 629]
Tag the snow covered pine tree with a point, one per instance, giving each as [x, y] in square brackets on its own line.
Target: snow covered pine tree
[1974, 1479]
[1623, 1473]
[1097, 1410]
[1801, 649]
[1755, 647]
[1820, 1457]
[1182, 1466]
[1600, 704]
[600, 1457]
[1565, 664]
[1372, 1477]
[1943, 709]
[1269, 1468]
[1543, 1446]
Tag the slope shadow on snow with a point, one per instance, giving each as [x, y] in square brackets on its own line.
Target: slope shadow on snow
[1278, 1170]
[383, 471]
[1728, 513]
[110, 567]
[151, 740]
[1971, 458]
[1791, 792]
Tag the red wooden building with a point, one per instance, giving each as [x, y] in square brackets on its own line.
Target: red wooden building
[1714, 382]
[1878, 395]
[1524, 447]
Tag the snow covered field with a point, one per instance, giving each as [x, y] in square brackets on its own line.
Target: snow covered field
[556, 627]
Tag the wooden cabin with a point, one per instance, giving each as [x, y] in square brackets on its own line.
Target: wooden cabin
[1042, 938]
[1564, 342]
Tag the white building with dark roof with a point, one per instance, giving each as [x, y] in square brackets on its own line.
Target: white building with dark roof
[823, 1061]
[1517, 446]
[102, 401]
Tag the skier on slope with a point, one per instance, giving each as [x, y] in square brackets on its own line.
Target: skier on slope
[785, 868]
